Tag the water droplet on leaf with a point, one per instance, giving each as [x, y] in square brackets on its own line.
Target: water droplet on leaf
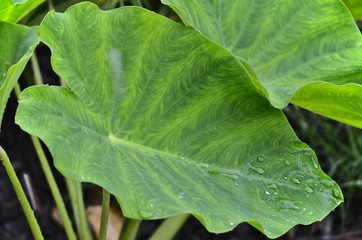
[267, 192]
[295, 180]
[145, 214]
[287, 163]
[273, 186]
[204, 165]
[336, 192]
[233, 176]
[231, 223]
[257, 170]
[309, 190]
[315, 165]
[260, 158]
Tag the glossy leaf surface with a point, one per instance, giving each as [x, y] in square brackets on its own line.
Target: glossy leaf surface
[14, 10]
[170, 123]
[289, 44]
[17, 46]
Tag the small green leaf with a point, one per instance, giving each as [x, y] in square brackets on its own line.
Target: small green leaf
[288, 44]
[17, 46]
[355, 6]
[170, 123]
[14, 10]
[342, 103]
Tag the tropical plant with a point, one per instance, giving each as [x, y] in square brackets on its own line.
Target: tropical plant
[175, 120]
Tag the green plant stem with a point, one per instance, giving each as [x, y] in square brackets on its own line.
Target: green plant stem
[37, 75]
[51, 181]
[51, 5]
[168, 229]
[105, 213]
[29, 214]
[54, 188]
[17, 90]
[79, 209]
[73, 187]
[129, 229]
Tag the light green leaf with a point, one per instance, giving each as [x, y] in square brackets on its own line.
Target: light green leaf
[14, 10]
[17, 46]
[170, 123]
[288, 44]
[343, 103]
[355, 6]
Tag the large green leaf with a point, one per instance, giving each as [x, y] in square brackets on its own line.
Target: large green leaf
[289, 44]
[17, 46]
[14, 10]
[170, 123]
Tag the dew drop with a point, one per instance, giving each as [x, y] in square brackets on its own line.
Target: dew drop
[231, 223]
[4, 74]
[260, 158]
[296, 208]
[295, 180]
[233, 176]
[273, 186]
[145, 214]
[287, 163]
[315, 165]
[257, 170]
[182, 157]
[336, 192]
[267, 192]
[320, 189]
[315, 184]
[180, 196]
[204, 165]
[309, 190]
[275, 193]
[236, 184]
[151, 205]
[285, 178]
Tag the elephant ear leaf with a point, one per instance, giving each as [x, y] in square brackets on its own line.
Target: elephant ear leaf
[289, 45]
[14, 10]
[170, 123]
[17, 46]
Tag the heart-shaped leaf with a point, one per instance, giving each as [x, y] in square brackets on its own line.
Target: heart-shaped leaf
[289, 44]
[17, 46]
[14, 10]
[170, 123]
